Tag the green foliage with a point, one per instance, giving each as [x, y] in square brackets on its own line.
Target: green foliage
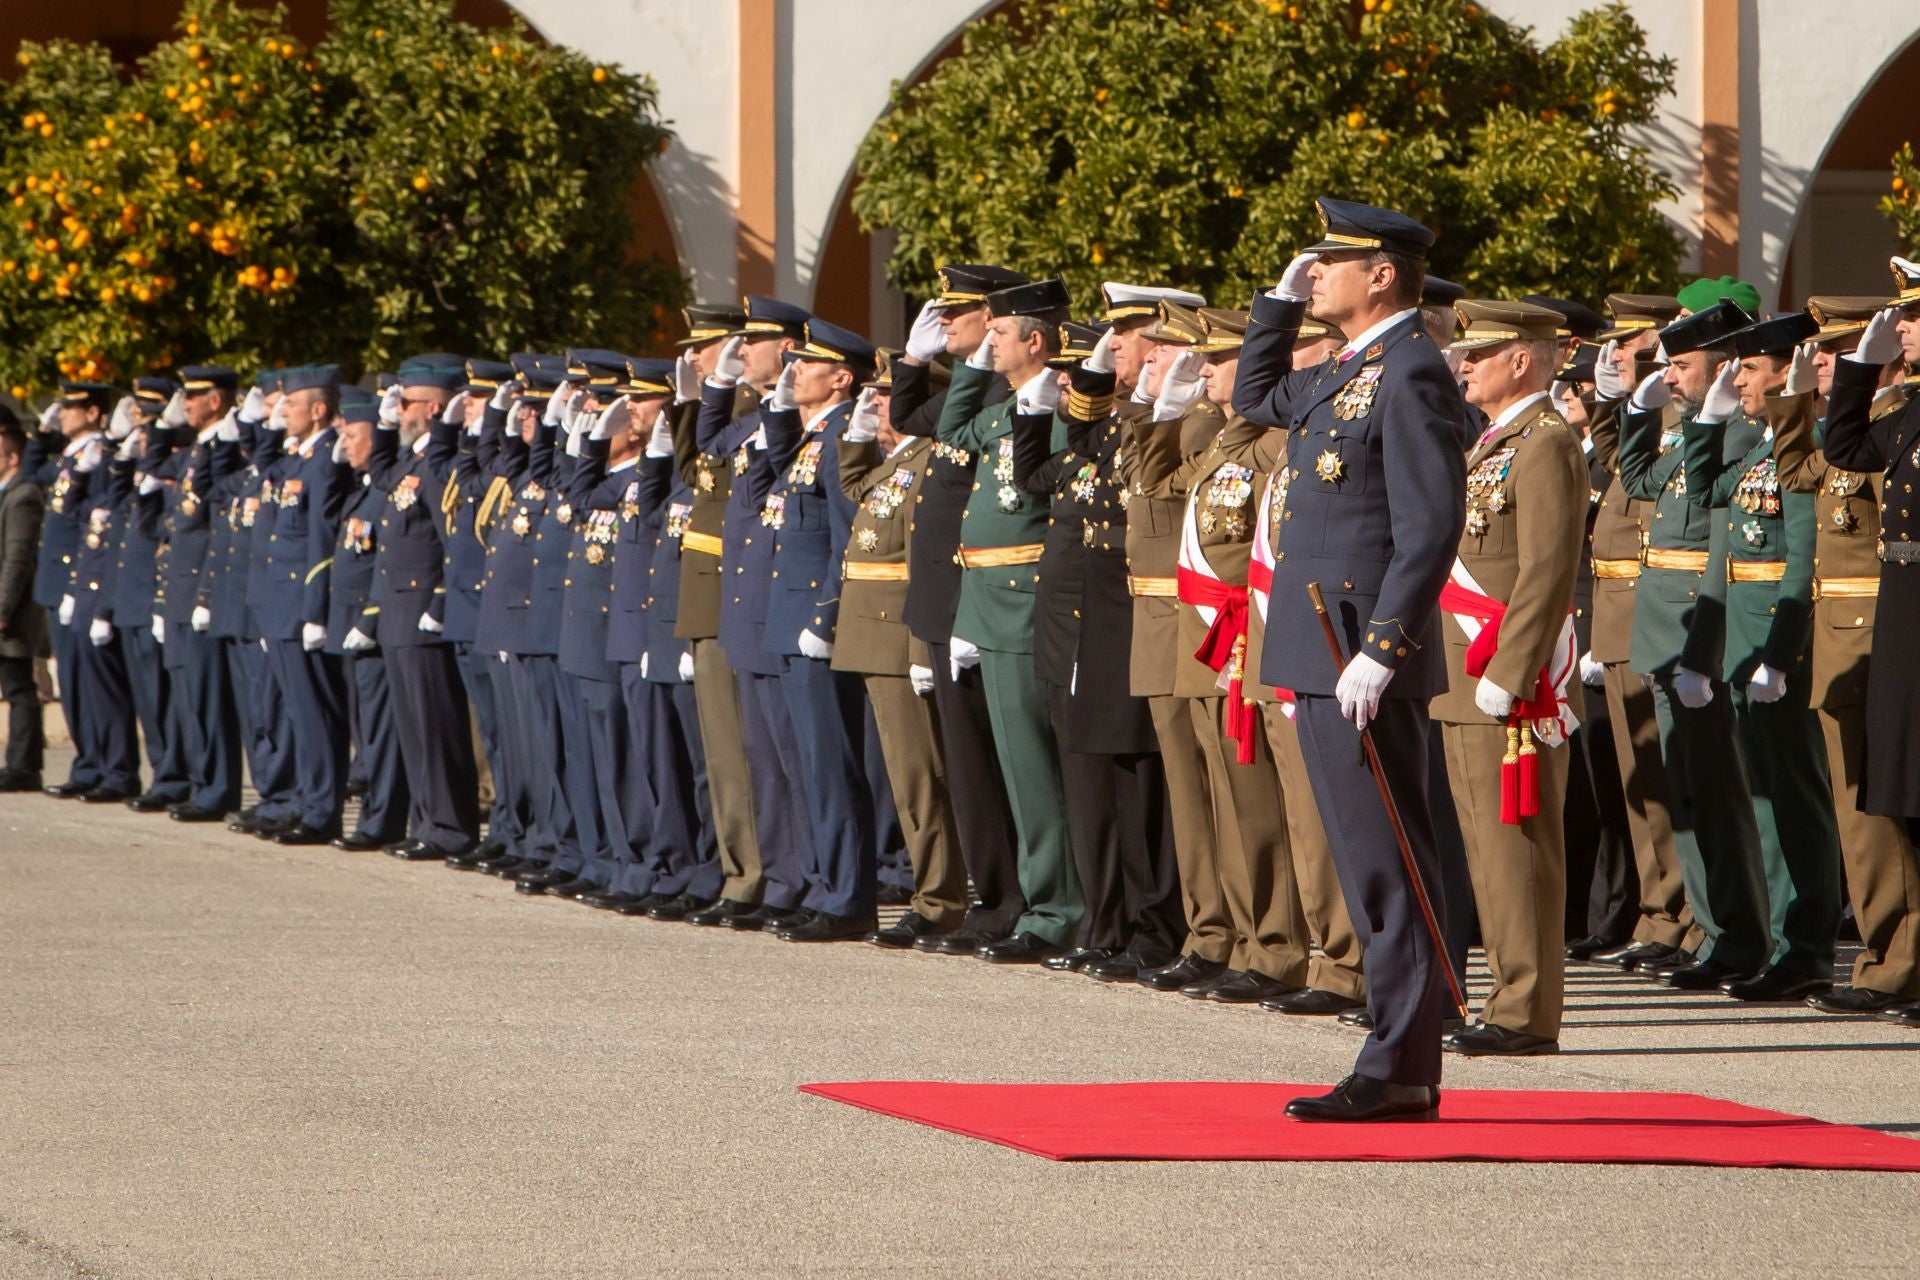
[1184, 142]
[411, 182]
[1903, 206]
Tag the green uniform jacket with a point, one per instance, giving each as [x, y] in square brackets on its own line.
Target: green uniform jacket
[1770, 622]
[996, 602]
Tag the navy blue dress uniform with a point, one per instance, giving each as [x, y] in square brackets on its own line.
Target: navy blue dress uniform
[206, 715]
[692, 876]
[811, 519]
[1372, 510]
[1679, 623]
[384, 803]
[781, 823]
[136, 582]
[292, 580]
[989, 843]
[429, 703]
[53, 462]
[98, 682]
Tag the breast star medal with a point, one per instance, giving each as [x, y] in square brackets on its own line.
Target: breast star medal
[522, 524]
[1753, 534]
[405, 494]
[1844, 520]
[868, 540]
[1477, 522]
[1330, 466]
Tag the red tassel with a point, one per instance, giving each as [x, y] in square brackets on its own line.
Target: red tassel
[1529, 773]
[1510, 780]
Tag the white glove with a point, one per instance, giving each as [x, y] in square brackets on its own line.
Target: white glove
[254, 407]
[1802, 377]
[455, 414]
[277, 420]
[66, 611]
[1880, 344]
[1592, 674]
[120, 425]
[1492, 699]
[922, 678]
[503, 395]
[1608, 382]
[357, 641]
[982, 357]
[556, 409]
[228, 431]
[201, 619]
[1296, 282]
[864, 427]
[1100, 359]
[962, 654]
[578, 421]
[1359, 689]
[100, 631]
[89, 457]
[1652, 393]
[812, 646]
[502, 655]
[1041, 394]
[263, 644]
[128, 450]
[686, 379]
[1693, 689]
[927, 341]
[1722, 400]
[686, 667]
[643, 665]
[729, 367]
[390, 407]
[50, 417]
[1183, 384]
[1767, 685]
[759, 438]
[781, 398]
[339, 451]
[312, 636]
[660, 443]
[149, 485]
[159, 629]
[430, 625]
[612, 421]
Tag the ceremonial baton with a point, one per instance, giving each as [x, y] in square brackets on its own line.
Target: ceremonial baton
[1393, 815]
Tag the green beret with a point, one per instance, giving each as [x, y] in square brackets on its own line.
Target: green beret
[1703, 293]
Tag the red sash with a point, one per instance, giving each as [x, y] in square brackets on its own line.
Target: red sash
[1225, 648]
[1520, 768]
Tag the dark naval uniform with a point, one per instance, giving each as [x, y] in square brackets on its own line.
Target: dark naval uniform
[53, 464]
[384, 805]
[99, 679]
[138, 563]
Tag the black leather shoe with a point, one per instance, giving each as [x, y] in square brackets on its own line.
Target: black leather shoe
[359, 842]
[1660, 968]
[356, 788]
[642, 904]
[302, 834]
[961, 942]
[894, 895]
[719, 913]
[1249, 988]
[1363, 1019]
[18, 780]
[1584, 948]
[1077, 959]
[678, 908]
[902, 933]
[1777, 985]
[242, 819]
[1121, 966]
[489, 850]
[68, 790]
[1183, 972]
[1311, 1002]
[821, 927]
[1704, 975]
[1855, 1000]
[469, 861]
[418, 851]
[1902, 1015]
[147, 802]
[542, 880]
[1630, 954]
[759, 919]
[1359, 1098]
[1021, 948]
[103, 795]
[606, 899]
[577, 890]
[1489, 1041]
[799, 916]
[1202, 989]
[187, 811]
[268, 828]
[511, 868]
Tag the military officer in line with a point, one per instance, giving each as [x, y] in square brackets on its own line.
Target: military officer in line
[205, 712]
[1373, 512]
[1001, 542]
[1679, 631]
[1663, 933]
[1512, 667]
[63, 460]
[409, 593]
[1882, 873]
[136, 608]
[1770, 567]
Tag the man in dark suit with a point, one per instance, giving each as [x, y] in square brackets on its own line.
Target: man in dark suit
[1373, 507]
[23, 624]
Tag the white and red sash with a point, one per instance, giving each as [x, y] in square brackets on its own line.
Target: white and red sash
[1223, 607]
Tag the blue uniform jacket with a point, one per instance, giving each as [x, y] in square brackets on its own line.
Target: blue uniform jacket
[47, 464]
[662, 616]
[642, 500]
[350, 581]
[813, 520]
[459, 501]
[552, 538]
[746, 544]
[186, 514]
[309, 491]
[595, 498]
[101, 516]
[409, 555]
[506, 589]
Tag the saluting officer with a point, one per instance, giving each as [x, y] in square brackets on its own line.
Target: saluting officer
[1374, 506]
[64, 460]
[137, 603]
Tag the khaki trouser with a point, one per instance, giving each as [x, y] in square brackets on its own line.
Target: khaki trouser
[910, 743]
[1198, 832]
[1337, 966]
[729, 790]
[1883, 878]
[1665, 917]
[1519, 878]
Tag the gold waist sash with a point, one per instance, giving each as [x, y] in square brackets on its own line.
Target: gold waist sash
[1000, 557]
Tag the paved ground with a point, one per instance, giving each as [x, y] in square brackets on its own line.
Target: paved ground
[220, 1058]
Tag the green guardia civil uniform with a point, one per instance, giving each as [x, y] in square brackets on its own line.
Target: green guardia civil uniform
[1001, 533]
[1770, 535]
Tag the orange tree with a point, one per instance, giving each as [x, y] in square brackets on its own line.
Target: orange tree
[1185, 140]
[412, 181]
[1903, 204]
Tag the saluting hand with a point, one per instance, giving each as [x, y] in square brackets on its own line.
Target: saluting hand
[1185, 380]
[254, 407]
[781, 399]
[1608, 382]
[1880, 344]
[1296, 282]
[927, 340]
[175, 414]
[1802, 377]
[686, 379]
[455, 414]
[390, 407]
[865, 425]
[1100, 359]
[729, 366]
[1652, 393]
[120, 425]
[1722, 400]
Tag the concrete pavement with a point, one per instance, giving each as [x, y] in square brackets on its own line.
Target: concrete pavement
[222, 1058]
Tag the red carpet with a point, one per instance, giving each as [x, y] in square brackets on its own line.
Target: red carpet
[1220, 1121]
